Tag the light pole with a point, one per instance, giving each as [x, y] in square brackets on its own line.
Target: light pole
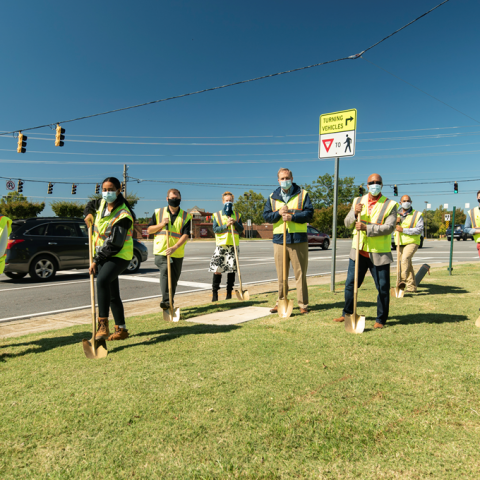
[425, 220]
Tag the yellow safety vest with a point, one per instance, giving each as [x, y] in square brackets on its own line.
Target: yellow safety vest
[174, 232]
[5, 222]
[102, 229]
[474, 215]
[225, 238]
[380, 212]
[295, 204]
[410, 221]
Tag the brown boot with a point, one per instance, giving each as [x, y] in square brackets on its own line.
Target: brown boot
[378, 325]
[274, 309]
[103, 332]
[120, 334]
[339, 319]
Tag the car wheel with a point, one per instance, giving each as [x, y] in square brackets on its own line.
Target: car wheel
[449, 239]
[458, 239]
[134, 265]
[43, 268]
[15, 275]
[325, 244]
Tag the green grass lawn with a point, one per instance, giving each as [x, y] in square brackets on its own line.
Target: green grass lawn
[270, 399]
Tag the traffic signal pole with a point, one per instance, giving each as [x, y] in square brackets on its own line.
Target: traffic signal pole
[334, 225]
[125, 168]
[451, 241]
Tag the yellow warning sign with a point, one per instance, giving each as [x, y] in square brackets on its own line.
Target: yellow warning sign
[338, 121]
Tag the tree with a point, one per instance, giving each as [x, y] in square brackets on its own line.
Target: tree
[15, 205]
[251, 207]
[321, 191]
[62, 208]
[323, 220]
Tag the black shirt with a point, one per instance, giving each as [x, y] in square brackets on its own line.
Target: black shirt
[173, 216]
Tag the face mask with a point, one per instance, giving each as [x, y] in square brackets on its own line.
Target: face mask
[478, 199]
[285, 184]
[375, 189]
[406, 205]
[228, 208]
[109, 197]
[174, 202]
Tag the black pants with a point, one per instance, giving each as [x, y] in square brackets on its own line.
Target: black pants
[176, 270]
[381, 276]
[108, 289]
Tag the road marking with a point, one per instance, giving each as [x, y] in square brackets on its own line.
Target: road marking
[155, 280]
[43, 285]
[195, 284]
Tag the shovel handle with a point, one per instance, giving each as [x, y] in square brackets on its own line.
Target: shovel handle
[236, 259]
[398, 256]
[285, 279]
[169, 273]
[92, 289]
[355, 283]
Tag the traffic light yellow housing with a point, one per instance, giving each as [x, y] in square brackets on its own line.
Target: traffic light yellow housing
[59, 136]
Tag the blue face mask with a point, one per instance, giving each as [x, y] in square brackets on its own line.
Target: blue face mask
[228, 208]
[285, 184]
[375, 189]
[109, 197]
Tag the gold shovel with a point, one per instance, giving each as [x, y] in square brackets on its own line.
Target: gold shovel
[93, 349]
[477, 323]
[241, 294]
[170, 315]
[399, 290]
[285, 306]
[355, 323]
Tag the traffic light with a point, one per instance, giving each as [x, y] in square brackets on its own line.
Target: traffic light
[361, 191]
[123, 187]
[59, 136]
[97, 189]
[74, 189]
[22, 143]
[20, 186]
[455, 187]
[50, 188]
[395, 191]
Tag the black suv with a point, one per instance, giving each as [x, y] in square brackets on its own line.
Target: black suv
[42, 246]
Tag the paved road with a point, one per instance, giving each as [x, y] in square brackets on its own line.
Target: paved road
[70, 289]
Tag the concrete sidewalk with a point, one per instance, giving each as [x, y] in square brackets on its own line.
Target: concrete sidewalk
[143, 307]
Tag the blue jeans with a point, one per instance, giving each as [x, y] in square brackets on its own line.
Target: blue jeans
[381, 276]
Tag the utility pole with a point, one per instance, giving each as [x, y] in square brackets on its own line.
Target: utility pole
[334, 226]
[125, 169]
[425, 220]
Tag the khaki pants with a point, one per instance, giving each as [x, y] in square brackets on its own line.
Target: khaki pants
[407, 275]
[297, 253]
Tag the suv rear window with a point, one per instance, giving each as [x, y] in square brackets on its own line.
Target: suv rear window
[38, 230]
[62, 230]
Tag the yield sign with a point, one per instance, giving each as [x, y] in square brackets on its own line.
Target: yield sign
[327, 143]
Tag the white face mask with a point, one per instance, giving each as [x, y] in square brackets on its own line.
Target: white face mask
[375, 189]
[285, 184]
[406, 205]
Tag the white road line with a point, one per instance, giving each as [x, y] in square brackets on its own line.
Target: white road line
[43, 285]
[155, 280]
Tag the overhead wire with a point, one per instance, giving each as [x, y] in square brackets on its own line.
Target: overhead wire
[351, 57]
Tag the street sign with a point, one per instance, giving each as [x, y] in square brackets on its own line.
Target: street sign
[447, 223]
[429, 205]
[467, 205]
[249, 223]
[337, 134]
[10, 185]
[447, 217]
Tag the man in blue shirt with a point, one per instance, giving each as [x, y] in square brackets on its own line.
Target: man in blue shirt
[291, 204]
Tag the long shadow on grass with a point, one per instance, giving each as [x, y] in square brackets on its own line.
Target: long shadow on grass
[417, 318]
[168, 334]
[218, 307]
[433, 289]
[43, 344]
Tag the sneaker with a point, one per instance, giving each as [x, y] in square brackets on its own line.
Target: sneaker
[120, 334]
[103, 332]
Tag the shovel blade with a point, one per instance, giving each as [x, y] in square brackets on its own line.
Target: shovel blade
[354, 323]
[285, 308]
[397, 292]
[100, 350]
[477, 323]
[171, 316]
[242, 295]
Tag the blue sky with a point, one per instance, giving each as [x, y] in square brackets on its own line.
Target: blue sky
[65, 60]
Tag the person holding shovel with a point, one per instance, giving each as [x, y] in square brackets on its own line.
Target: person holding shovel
[112, 219]
[378, 216]
[410, 229]
[223, 259]
[291, 204]
[178, 222]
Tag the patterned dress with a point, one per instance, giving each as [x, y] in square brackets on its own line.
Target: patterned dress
[223, 260]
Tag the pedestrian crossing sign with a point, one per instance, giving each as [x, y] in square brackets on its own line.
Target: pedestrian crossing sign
[337, 134]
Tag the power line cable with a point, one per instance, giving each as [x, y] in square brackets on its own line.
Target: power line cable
[351, 57]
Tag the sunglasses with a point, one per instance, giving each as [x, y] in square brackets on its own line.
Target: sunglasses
[374, 183]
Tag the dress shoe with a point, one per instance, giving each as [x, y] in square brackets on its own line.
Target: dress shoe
[303, 311]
